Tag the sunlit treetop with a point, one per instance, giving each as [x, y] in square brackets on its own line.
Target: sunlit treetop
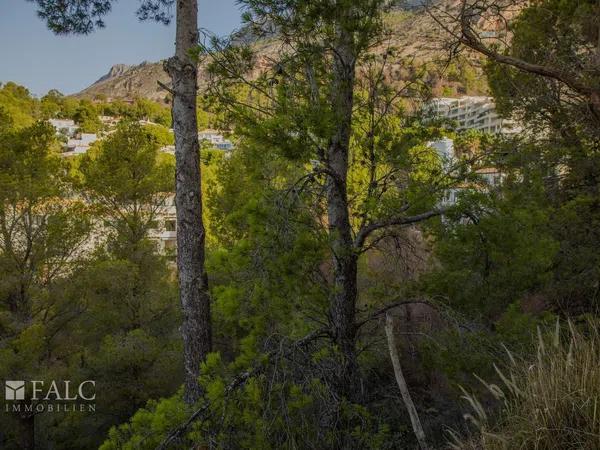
[84, 16]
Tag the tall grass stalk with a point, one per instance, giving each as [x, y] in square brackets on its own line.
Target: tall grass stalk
[551, 403]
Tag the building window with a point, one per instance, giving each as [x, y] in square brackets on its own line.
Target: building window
[170, 225]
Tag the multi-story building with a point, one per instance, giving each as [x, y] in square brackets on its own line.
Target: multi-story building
[445, 150]
[477, 113]
[165, 232]
[64, 127]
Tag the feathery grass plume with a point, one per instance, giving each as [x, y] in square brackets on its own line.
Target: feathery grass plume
[550, 404]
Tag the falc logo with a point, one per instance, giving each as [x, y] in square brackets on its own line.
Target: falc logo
[15, 390]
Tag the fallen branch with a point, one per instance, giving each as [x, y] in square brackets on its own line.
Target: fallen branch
[410, 406]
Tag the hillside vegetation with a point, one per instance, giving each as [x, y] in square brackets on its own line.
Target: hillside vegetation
[376, 277]
[419, 48]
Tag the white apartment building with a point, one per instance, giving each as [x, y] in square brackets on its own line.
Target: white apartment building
[477, 113]
[80, 144]
[490, 177]
[165, 233]
[77, 143]
[65, 127]
[214, 138]
[445, 149]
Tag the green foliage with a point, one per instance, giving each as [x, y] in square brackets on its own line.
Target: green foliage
[265, 412]
[18, 103]
[461, 70]
[161, 134]
[41, 248]
[140, 109]
[86, 116]
[77, 308]
[151, 111]
[129, 180]
[439, 355]
[501, 247]
[564, 152]
[207, 118]
[499, 260]
[56, 105]
[560, 35]
[148, 426]
[517, 329]
[258, 236]
[495, 261]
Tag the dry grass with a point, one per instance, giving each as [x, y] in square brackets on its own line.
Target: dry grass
[550, 404]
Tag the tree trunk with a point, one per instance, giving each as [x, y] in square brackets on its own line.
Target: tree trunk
[193, 285]
[344, 294]
[26, 432]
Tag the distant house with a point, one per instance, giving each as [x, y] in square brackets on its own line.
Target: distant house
[216, 139]
[77, 143]
[170, 149]
[110, 121]
[80, 144]
[472, 113]
[225, 145]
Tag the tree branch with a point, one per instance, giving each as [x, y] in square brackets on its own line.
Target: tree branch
[165, 87]
[465, 35]
[470, 39]
[366, 231]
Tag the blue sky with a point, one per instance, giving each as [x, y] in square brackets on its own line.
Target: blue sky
[32, 56]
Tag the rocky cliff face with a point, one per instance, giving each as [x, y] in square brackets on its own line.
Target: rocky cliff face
[115, 71]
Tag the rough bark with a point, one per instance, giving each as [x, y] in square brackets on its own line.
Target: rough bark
[344, 293]
[193, 285]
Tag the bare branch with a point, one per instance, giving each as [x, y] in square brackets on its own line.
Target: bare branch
[367, 230]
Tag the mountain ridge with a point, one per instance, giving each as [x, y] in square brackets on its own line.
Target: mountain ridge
[414, 34]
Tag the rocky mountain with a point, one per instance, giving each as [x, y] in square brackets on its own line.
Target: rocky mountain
[115, 71]
[415, 36]
[129, 82]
